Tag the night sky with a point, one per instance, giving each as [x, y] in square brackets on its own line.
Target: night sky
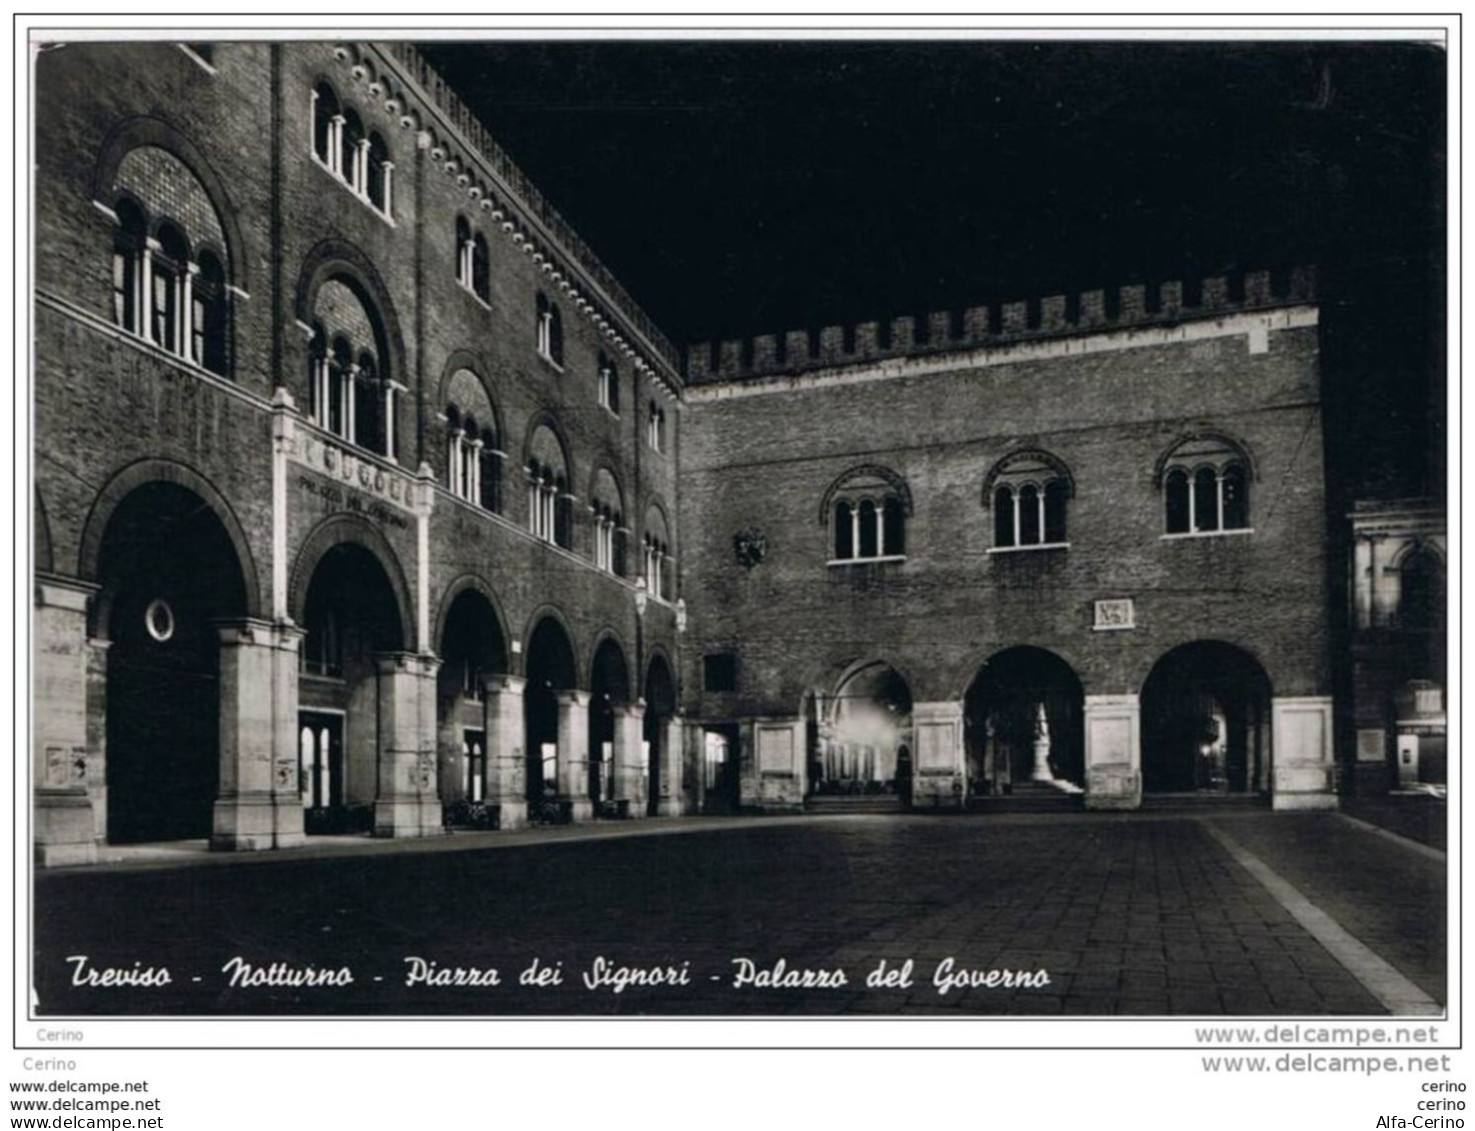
[744, 187]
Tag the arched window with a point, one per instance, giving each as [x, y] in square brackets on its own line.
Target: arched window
[609, 531]
[208, 319]
[169, 271]
[844, 531]
[128, 246]
[381, 172]
[473, 456]
[355, 167]
[490, 471]
[550, 331]
[1028, 491]
[343, 146]
[368, 409]
[659, 565]
[609, 385]
[479, 267]
[550, 502]
[171, 280]
[655, 429]
[1421, 591]
[463, 252]
[867, 510]
[327, 121]
[352, 393]
[1206, 486]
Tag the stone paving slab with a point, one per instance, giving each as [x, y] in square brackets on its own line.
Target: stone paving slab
[1389, 896]
[1127, 914]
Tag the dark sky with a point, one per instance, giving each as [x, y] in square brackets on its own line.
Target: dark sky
[743, 187]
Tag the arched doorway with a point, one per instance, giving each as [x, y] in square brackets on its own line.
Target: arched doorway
[1206, 722]
[351, 615]
[1023, 722]
[551, 671]
[168, 571]
[472, 650]
[609, 682]
[660, 706]
[862, 739]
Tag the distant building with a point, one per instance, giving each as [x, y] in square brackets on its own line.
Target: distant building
[367, 499]
[1399, 642]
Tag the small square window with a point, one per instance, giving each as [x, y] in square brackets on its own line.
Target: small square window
[719, 672]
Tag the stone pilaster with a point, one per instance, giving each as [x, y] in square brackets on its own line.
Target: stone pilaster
[260, 803]
[408, 804]
[1302, 774]
[939, 763]
[64, 820]
[630, 769]
[1113, 752]
[506, 750]
[573, 752]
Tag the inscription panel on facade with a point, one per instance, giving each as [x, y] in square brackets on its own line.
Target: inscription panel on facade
[1115, 614]
[775, 750]
[935, 752]
[350, 477]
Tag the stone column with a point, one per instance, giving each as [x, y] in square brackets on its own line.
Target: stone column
[260, 805]
[939, 762]
[573, 752]
[630, 768]
[1113, 752]
[408, 804]
[1301, 753]
[97, 735]
[506, 750]
[63, 810]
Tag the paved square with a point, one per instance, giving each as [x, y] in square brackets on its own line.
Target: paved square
[1130, 914]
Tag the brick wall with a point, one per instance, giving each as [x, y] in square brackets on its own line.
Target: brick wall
[765, 461]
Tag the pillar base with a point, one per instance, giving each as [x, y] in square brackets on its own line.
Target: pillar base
[581, 809]
[669, 807]
[407, 817]
[511, 814]
[244, 824]
[64, 831]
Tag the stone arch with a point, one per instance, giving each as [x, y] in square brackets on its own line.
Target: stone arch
[550, 611]
[1051, 463]
[41, 560]
[463, 360]
[1202, 436]
[657, 652]
[133, 133]
[338, 259]
[166, 471]
[608, 636]
[472, 582]
[1024, 720]
[893, 480]
[654, 506]
[1206, 720]
[607, 465]
[980, 658]
[340, 528]
[546, 418]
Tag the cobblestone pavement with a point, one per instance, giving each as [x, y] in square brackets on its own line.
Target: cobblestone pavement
[1127, 914]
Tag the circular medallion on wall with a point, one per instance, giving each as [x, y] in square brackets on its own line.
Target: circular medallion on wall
[158, 618]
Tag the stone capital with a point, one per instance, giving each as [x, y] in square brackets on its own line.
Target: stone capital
[59, 592]
[406, 663]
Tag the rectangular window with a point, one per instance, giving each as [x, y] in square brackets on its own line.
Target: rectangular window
[719, 671]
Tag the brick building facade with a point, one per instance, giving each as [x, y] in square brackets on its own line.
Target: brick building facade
[366, 498]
